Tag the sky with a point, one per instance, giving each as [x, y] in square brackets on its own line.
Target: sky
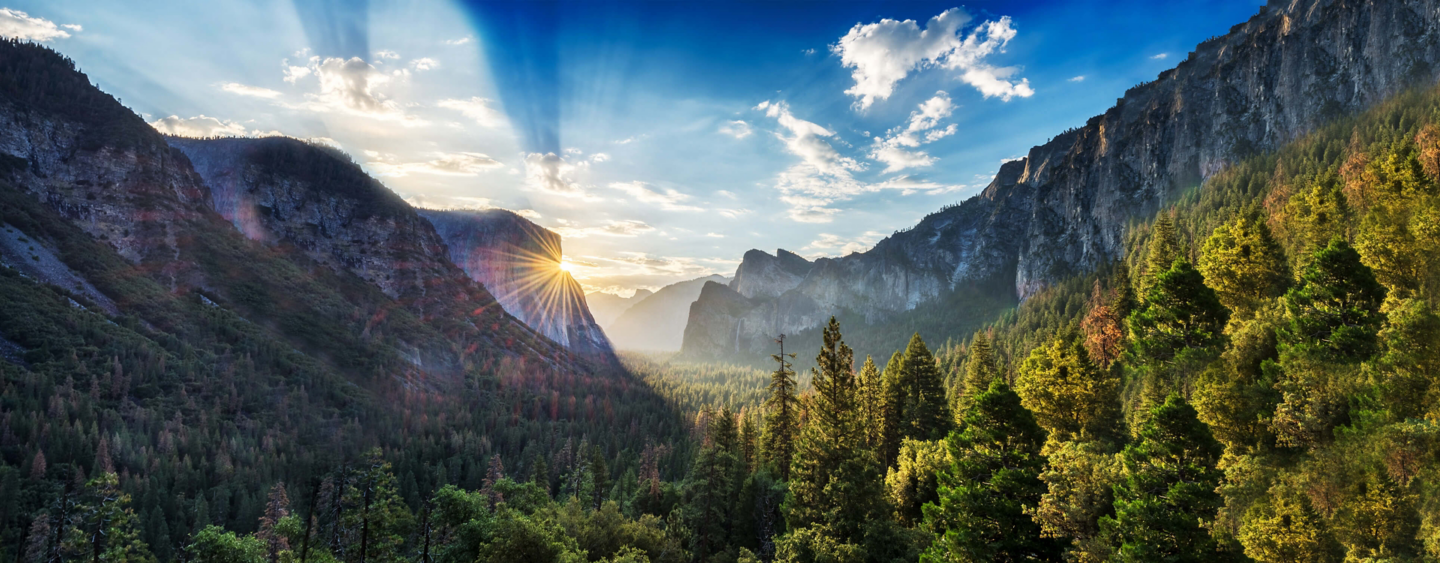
[660, 139]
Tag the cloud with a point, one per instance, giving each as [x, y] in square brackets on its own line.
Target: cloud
[392, 55]
[737, 128]
[550, 173]
[626, 228]
[20, 25]
[75, 27]
[198, 127]
[714, 235]
[424, 63]
[732, 213]
[834, 245]
[806, 141]
[884, 53]
[1160, 57]
[475, 108]
[1080, 78]
[809, 51]
[599, 157]
[669, 199]
[528, 213]
[460, 41]
[351, 86]
[897, 148]
[251, 91]
[444, 164]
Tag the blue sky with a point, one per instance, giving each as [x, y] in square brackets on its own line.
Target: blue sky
[661, 139]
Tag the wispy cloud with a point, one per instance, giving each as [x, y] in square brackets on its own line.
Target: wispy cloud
[1080, 78]
[251, 91]
[199, 126]
[443, 164]
[898, 148]
[626, 228]
[667, 199]
[736, 128]
[1160, 57]
[476, 108]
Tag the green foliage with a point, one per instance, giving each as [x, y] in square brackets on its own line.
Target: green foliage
[924, 408]
[1071, 397]
[994, 479]
[1335, 310]
[1168, 492]
[215, 545]
[1180, 313]
[912, 482]
[1244, 264]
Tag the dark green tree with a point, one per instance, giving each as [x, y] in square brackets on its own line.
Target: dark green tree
[993, 481]
[924, 409]
[1169, 490]
[894, 396]
[1244, 264]
[782, 420]
[980, 368]
[1180, 312]
[1335, 310]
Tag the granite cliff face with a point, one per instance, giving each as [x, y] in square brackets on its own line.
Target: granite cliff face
[1063, 208]
[346, 265]
[606, 307]
[519, 262]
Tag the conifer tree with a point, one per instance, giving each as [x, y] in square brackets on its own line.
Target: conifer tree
[980, 367]
[710, 492]
[1071, 397]
[1335, 310]
[993, 480]
[277, 507]
[782, 420]
[1169, 490]
[106, 529]
[893, 393]
[872, 403]
[1244, 264]
[1164, 249]
[835, 482]
[1180, 312]
[375, 518]
[925, 411]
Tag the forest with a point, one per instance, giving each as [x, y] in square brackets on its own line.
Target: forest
[1256, 380]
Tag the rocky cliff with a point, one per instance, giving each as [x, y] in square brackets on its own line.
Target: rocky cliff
[519, 262]
[606, 307]
[1063, 208]
[348, 272]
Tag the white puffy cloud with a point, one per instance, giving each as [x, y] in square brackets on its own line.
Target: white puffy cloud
[626, 228]
[199, 126]
[1160, 56]
[387, 54]
[1080, 78]
[443, 164]
[350, 86]
[424, 63]
[251, 91]
[20, 25]
[884, 53]
[736, 128]
[476, 108]
[669, 199]
[599, 157]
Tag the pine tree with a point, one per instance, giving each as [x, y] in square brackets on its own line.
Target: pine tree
[493, 474]
[980, 368]
[374, 516]
[1335, 310]
[783, 419]
[1071, 397]
[1244, 264]
[1168, 492]
[835, 482]
[1164, 249]
[1180, 312]
[893, 394]
[715, 480]
[872, 403]
[277, 507]
[107, 529]
[925, 411]
[993, 480]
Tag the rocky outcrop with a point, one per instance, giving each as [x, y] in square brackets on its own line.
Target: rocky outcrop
[394, 297]
[762, 276]
[519, 262]
[658, 321]
[1062, 209]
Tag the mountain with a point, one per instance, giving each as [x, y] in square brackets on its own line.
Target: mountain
[606, 307]
[214, 316]
[1063, 209]
[658, 321]
[519, 262]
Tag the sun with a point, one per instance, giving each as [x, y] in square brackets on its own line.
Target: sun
[567, 266]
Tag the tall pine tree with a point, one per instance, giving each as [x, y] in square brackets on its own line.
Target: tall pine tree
[924, 411]
[783, 419]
